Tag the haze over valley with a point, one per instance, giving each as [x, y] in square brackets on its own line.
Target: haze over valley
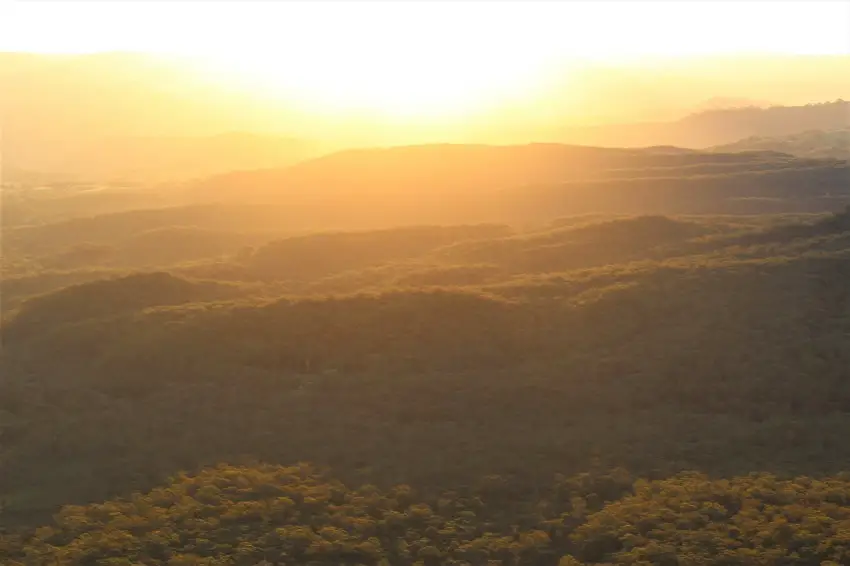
[413, 284]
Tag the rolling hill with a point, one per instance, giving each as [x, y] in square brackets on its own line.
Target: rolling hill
[511, 183]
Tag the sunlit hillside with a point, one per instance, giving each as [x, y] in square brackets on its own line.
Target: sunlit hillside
[385, 186]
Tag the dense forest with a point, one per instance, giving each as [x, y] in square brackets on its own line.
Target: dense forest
[297, 515]
[594, 356]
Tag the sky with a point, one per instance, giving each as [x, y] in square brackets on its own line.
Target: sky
[575, 28]
[415, 55]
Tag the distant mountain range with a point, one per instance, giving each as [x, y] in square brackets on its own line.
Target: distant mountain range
[714, 127]
[129, 116]
[816, 130]
[124, 115]
[811, 143]
[157, 159]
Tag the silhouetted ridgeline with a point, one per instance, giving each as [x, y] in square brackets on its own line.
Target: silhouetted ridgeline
[773, 121]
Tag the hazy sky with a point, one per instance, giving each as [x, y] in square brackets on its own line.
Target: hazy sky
[415, 54]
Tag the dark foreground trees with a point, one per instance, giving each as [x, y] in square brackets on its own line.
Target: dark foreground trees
[296, 515]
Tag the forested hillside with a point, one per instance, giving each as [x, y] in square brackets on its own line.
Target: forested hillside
[424, 284]
[170, 355]
[296, 515]
[437, 356]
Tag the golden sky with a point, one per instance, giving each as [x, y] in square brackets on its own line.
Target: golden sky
[411, 56]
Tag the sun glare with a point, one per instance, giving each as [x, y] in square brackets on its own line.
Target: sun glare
[415, 59]
[388, 65]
